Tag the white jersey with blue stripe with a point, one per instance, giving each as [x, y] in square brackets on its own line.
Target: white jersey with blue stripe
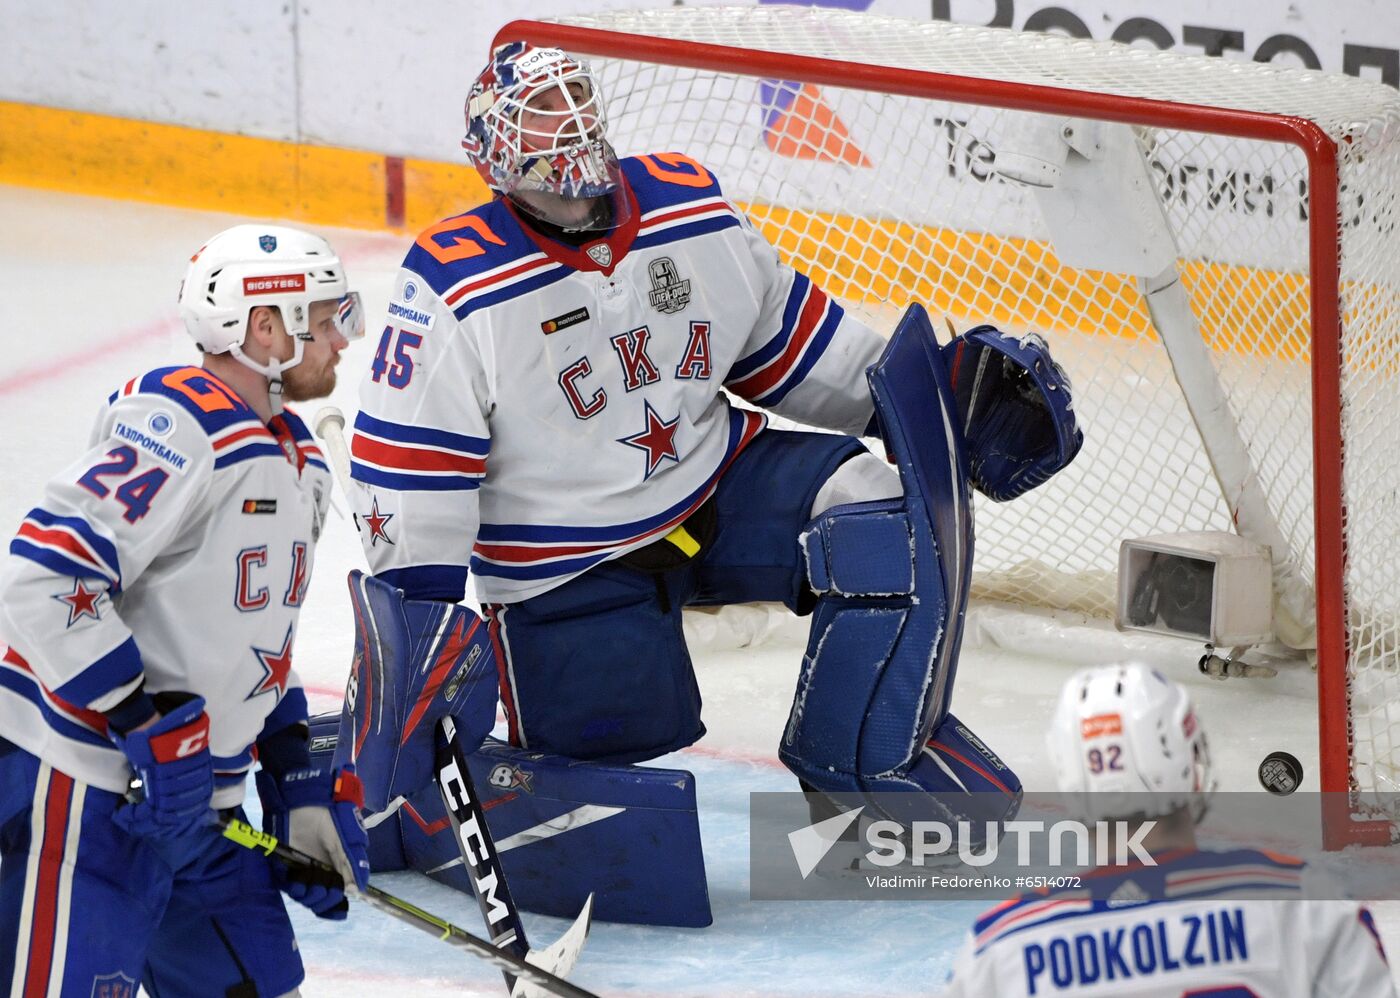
[176, 550]
[1178, 929]
[536, 408]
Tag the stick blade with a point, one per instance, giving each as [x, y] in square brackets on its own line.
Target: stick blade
[559, 956]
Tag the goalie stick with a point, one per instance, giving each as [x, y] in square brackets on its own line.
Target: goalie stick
[529, 973]
[464, 810]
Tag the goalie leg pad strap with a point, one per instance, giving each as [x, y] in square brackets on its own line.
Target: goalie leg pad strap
[892, 578]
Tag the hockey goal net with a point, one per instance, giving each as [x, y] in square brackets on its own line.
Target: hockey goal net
[897, 161]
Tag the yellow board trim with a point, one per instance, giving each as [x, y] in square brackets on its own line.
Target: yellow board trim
[85, 153]
[1015, 283]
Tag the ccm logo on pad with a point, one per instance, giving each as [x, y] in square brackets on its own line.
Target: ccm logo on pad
[273, 284]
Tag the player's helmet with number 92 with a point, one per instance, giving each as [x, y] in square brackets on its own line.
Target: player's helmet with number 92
[560, 149]
[1126, 740]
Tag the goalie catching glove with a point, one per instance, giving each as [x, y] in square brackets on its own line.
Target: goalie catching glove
[1015, 410]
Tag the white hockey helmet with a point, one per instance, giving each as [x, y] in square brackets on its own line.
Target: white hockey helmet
[1126, 740]
[274, 265]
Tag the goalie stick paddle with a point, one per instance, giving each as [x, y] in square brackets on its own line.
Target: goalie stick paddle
[539, 979]
[464, 810]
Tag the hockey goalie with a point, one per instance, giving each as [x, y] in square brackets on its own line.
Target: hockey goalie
[550, 411]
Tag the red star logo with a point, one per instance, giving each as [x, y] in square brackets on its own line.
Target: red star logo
[658, 440]
[377, 523]
[81, 602]
[276, 666]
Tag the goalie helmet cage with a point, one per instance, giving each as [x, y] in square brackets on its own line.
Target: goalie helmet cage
[874, 152]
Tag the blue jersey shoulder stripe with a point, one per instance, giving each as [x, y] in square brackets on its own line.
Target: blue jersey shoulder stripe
[688, 230]
[796, 297]
[105, 549]
[56, 563]
[543, 279]
[1242, 885]
[411, 483]
[318, 463]
[489, 228]
[820, 341]
[199, 383]
[653, 192]
[297, 425]
[113, 670]
[407, 434]
[249, 452]
[1048, 919]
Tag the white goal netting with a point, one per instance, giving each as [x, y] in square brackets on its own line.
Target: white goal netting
[885, 186]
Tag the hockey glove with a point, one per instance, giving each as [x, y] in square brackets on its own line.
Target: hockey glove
[318, 811]
[1015, 409]
[172, 762]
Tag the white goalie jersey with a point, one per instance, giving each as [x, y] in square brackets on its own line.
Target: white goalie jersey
[535, 409]
[1192, 939]
[177, 551]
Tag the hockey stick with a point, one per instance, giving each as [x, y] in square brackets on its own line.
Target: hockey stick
[478, 849]
[405, 911]
[459, 798]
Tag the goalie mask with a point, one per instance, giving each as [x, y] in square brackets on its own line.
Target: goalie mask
[1126, 740]
[536, 133]
[280, 267]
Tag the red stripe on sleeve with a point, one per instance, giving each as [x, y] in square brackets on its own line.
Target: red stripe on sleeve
[760, 382]
[414, 459]
[233, 438]
[60, 539]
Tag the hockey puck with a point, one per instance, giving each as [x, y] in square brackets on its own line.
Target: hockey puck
[1280, 773]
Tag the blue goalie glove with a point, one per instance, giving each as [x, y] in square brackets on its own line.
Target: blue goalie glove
[1016, 410]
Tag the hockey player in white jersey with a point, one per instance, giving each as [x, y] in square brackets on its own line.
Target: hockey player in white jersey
[150, 605]
[1123, 735]
[547, 408]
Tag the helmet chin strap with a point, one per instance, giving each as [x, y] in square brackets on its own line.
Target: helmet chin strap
[272, 370]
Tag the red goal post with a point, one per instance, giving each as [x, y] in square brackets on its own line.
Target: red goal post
[1279, 188]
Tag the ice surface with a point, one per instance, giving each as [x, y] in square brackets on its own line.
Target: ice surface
[87, 299]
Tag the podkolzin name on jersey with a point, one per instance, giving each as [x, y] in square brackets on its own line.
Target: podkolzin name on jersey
[1127, 952]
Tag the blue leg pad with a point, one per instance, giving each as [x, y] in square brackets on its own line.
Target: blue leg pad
[416, 661]
[564, 828]
[892, 577]
[968, 781]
